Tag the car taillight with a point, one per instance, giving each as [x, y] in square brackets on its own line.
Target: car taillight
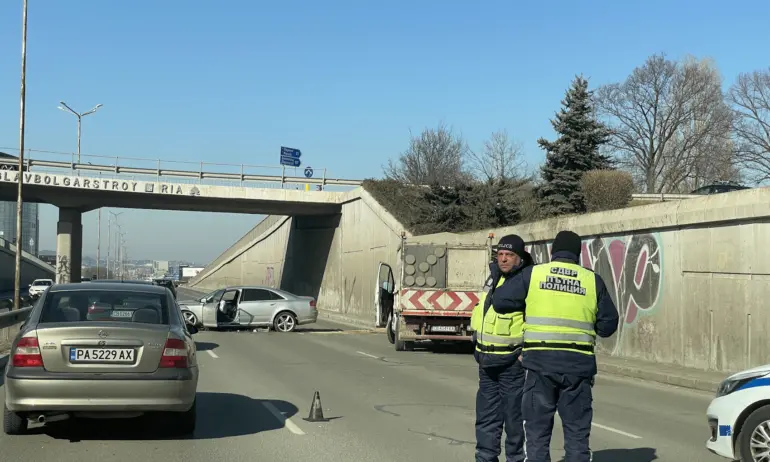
[312, 303]
[174, 354]
[27, 353]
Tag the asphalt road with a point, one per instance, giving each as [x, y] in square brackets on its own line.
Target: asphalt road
[256, 388]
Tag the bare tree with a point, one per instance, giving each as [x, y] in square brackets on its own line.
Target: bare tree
[500, 159]
[750, 98]
[436, 156]
[667, 119]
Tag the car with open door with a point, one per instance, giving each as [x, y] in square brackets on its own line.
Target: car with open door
[115, 350]
[256, 306]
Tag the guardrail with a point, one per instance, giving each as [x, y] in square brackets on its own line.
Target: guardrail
[117, 165]
[13, 317]
[663, 197]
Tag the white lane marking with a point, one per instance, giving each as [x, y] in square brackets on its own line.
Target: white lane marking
[367, 354]
[212, 354]
[615, 430]
[609, 429]
[285, 421]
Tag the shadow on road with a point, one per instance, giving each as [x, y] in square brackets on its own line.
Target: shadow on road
[625, 455]
[316, 329]
[220, 415]
[445, 348]
[206, 346]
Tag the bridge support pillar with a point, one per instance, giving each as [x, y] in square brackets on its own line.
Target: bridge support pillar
[69, 246]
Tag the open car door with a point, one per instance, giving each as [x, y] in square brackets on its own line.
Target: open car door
[209, 308]
[384, 294]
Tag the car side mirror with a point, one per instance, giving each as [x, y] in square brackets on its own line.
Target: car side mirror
[202, 300]
[192, 330]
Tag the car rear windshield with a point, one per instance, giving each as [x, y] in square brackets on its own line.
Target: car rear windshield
[41, 283]
[102, 305]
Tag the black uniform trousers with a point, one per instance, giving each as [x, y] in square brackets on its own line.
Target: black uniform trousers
[544, 394]
[498, 407]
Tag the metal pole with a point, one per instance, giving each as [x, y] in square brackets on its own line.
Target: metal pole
[117, 266]
[109, 231]
[19, 202]
[98, 242]
[79, 118]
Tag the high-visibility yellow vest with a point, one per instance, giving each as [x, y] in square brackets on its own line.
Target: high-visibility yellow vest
[561, 309]
[498, 333]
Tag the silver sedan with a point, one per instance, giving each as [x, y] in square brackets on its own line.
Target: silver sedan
[102, 349]
[251, 306]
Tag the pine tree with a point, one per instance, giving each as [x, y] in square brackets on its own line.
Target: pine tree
[574, 152]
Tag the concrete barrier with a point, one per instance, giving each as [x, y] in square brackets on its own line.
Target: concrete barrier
[10, 322]
[31, 267]
[689, 277]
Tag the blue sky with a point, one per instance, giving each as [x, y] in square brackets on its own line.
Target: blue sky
[233, 81]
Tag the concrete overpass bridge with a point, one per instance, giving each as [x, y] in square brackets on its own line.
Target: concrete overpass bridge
[76, 188]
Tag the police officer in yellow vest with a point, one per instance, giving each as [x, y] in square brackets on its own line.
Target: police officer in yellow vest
[497, 339]
[567, 306]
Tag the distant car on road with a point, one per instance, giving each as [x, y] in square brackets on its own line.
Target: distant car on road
[739, 416]
[102, 349]
[39, 286]
[251, 306]
[718, 188]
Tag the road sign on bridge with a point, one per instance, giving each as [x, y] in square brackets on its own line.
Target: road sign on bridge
[309, 172]
[290, 156]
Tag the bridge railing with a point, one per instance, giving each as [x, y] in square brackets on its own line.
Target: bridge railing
[663, 197]
[142, 169]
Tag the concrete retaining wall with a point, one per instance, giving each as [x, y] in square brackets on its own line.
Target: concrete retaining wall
[31, 267]
[690, 278]
[333, 257]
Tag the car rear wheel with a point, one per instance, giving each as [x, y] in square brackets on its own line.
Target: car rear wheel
[754, 439]
[183, 423]
[13, 423]
[285, 322]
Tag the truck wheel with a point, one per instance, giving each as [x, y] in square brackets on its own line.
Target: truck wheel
[389, 329]
[755, 427]
[401, 345]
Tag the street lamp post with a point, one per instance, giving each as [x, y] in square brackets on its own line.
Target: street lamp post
[19, 202]
[80, 116]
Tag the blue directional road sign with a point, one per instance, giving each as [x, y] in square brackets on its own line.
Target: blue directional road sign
[308, 172]
[290, 161]
[290, 156]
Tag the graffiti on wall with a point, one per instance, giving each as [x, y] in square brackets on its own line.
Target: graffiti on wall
[62, 269]
[631, 268]
[269, 277]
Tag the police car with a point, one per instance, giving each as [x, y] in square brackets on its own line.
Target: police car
[739, 416]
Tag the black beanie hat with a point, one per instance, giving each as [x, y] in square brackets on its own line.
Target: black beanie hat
[515, 244]
[567, 241]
